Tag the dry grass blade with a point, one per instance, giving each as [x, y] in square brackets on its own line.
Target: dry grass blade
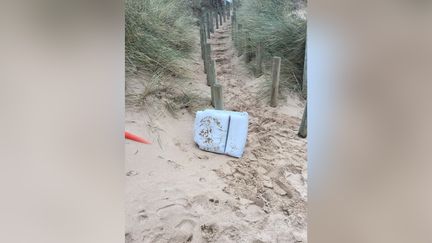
[158, 35]
[281, 32]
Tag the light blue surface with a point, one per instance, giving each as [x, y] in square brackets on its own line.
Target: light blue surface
[221, 131]
[237, 134]
[211, 130]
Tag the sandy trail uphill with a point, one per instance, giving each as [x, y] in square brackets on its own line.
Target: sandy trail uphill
[178, 193]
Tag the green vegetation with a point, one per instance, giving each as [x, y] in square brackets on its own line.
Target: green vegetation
[159, 39]
[158, 35]
[281, 32]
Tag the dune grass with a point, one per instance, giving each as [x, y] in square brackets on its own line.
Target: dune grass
[281, 32]
[158, 35]
[159, 41]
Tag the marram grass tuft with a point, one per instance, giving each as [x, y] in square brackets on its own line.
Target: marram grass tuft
[281, 32]
[158, 35]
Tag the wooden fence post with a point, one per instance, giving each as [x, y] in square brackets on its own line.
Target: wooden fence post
[207, 57]
[275, 81]
[218, 96]
[210, 21]
[239, 39]
[304, 84]
[220, 15]
[211, 74]
[233, 23]
[224, 12]
[212, 91]
[303, 126]
[202, 40]
[249, 53]
[259, 59]
[216, 17]
[207, 24]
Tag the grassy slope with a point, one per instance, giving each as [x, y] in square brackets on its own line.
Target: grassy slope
[158, 35]
[281, 33]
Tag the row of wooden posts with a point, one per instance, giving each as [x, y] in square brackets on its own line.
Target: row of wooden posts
[212, 18]
[215, 17]
[276, 65]
[214, 14]
[275, 91]
[239, 39]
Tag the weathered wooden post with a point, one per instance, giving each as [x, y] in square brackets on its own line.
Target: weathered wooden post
[203, 21]
[259, 59]
[207, 57]
[233, 24]
[304, 84]
[246, 47]
[217, 19]
[214, 16]
[212, 91]
[202, 40]
[211, 74]
[239, 39]
[207, 24]
[223, 8]
[210, 21]
[275, 81]
[220, 15]
[218, 102]
[229, 10]
[303, 126]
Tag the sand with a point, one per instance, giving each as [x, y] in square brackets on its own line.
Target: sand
[178, 193]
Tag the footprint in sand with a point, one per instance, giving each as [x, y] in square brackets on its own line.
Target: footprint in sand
[180, 209]
[142, 215]
[129, 238]
[216, 233]
[179, 220]
[170, 210]
[229, 234]
[186, 225]
[180, 237]
[175, 164]
[205, 157]
[132, 173]
[214, 201]
[179, 143]
[182, 232]
[209, 231]
[203, 202]
[253, 213]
